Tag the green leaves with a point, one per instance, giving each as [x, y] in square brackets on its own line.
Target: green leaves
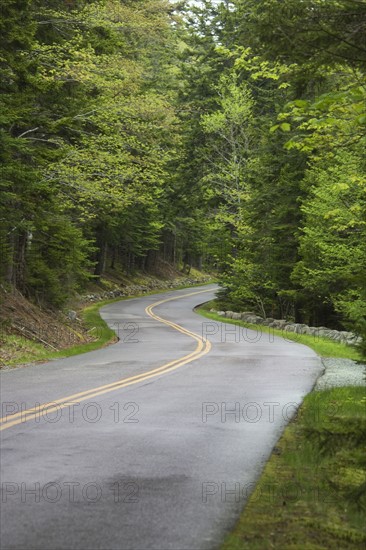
[285, 127]
[87, 139]
[297, 176]
[332, 246]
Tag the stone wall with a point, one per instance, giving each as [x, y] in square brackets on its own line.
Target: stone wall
[132, 290]
[298, 328]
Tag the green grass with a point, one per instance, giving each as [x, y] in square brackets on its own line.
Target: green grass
[312, 493]
[24, 351]
[322, 346]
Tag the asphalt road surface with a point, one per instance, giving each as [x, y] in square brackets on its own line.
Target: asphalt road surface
[152, 443]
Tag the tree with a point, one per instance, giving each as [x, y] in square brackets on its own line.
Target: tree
[307, 32]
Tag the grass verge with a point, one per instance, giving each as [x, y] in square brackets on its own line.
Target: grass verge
[312, 493]
[322, 346]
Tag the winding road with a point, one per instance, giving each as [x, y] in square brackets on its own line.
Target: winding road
[154, 442]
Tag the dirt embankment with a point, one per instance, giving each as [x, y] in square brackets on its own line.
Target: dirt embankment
[26, 321]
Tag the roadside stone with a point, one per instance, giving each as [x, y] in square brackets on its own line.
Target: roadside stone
[254, 319]
[279, 323]
[247, 314]
[136, 289]
[323, 332]
[72, 315]
[236, 316]
[299, 328]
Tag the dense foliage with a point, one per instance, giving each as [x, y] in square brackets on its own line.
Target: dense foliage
[225, 134]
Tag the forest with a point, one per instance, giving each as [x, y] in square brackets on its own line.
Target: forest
[223, 135]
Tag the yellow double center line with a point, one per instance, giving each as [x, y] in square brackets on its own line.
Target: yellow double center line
[203, 347]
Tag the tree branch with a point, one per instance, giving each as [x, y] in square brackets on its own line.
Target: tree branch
[28, 132]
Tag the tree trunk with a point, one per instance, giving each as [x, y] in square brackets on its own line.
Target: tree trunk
[8, 253]
[101, 254]
[113, 258]
[18, 275]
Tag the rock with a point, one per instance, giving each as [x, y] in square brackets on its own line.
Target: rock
[246, 314]
[221, 313]
[333, 334]
[352, 340]
[72, 315]
[254, 319]
[323, 332]
[236, 316]
[279, 323]
[299, 328]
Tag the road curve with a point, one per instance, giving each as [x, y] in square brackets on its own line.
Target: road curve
[152, 443]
